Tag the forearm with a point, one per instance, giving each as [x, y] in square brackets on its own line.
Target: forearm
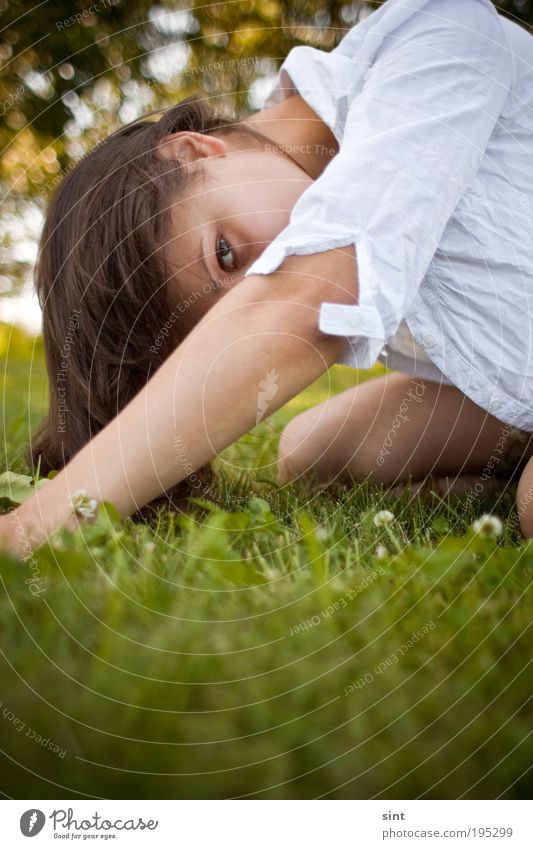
[205, 395]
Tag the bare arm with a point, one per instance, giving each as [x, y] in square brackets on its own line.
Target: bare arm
[204, 397]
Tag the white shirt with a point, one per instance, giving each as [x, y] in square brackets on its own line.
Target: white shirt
[431, 102]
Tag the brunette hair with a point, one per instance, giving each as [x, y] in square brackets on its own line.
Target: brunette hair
[101, 279]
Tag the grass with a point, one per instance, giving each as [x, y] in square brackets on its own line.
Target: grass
[278, 645]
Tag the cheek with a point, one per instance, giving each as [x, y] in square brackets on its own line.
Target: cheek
[259, 212]
[267, 214]
[269, 225]
[279, 199]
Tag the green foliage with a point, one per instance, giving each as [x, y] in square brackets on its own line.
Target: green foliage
[15, 489]
[274, 645]
[23, 392]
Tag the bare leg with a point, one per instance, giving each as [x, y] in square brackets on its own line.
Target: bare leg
[390, 430]
[524, 500]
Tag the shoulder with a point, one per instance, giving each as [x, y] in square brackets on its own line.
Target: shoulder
[404, 19]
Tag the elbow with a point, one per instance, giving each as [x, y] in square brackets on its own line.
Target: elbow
[300, 286]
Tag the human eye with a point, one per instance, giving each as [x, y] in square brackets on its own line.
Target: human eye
[225, 255]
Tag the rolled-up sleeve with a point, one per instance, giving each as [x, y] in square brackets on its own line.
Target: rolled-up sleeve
[416, 125]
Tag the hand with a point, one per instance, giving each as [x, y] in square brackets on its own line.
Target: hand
[19, 533]
[12, 535]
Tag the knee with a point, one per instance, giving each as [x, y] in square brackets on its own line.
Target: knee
[302, 452]
[524, 500]
[307, 450]
[291, 452]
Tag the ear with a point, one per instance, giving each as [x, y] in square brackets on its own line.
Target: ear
[190, 147]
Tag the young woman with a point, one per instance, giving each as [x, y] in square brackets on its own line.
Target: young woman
[383, 195]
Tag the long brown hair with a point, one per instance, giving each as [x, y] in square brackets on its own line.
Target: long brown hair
[101, 279]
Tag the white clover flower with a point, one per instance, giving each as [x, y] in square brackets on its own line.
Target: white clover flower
[381, 551]
[384, 517]
[488, 526]
[82, 504]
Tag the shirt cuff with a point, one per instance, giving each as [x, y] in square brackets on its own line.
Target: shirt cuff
[360, 323]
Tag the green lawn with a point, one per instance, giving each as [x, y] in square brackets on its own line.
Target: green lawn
[283, 647]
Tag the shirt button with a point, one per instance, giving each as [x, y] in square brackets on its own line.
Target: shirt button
[495, 405]
[427, 341]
